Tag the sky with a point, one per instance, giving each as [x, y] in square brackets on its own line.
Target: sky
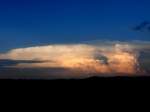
[74, 38]
[26, 23]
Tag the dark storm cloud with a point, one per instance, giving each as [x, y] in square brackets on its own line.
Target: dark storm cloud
[34, 73]
[6, 63]
[144, 26]
[100, 58]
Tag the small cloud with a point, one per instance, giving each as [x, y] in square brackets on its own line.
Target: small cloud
[144, 26]
[6, 63]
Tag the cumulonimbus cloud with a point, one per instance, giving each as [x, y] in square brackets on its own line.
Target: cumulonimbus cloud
[108, 58]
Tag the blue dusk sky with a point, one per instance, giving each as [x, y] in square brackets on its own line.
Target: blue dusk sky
[26, 23]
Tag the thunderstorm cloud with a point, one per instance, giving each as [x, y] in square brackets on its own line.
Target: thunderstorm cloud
[98, 58]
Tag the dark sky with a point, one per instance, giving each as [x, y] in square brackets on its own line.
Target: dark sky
[39, 22]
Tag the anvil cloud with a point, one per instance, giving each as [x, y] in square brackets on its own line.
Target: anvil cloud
[109, 58]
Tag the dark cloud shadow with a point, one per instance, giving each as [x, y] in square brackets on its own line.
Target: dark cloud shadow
[6, 63]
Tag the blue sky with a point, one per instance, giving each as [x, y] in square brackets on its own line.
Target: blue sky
[40, 22]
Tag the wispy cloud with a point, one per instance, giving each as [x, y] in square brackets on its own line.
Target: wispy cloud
[144, 26]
